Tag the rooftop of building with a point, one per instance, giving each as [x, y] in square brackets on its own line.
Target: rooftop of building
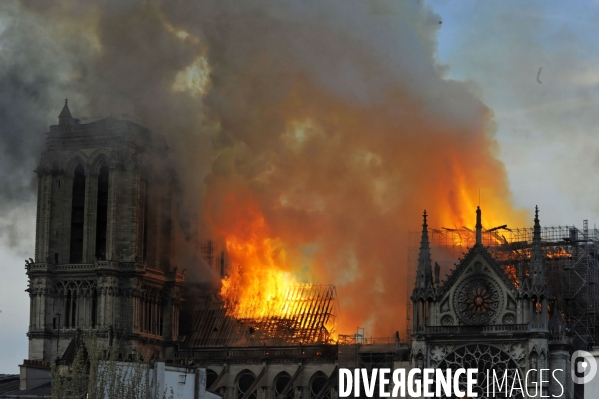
[9, 388]
[104, 131]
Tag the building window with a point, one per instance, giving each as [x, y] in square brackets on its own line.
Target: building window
[484, 358]
[281, 382]
[70, 320]
[102, 214]
[94, 310]
[211, 376]
[77, 215]
[145, 222]
[317, 384]
[245, 379]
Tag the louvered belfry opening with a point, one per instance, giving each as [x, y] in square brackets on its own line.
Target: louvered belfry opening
[77, 215]
[102, 214]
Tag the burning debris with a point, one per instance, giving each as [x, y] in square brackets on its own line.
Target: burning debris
[306, 314]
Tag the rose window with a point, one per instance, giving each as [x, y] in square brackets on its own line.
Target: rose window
[478, 300]
[483, 358]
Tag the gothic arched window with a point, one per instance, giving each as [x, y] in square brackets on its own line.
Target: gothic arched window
[77, 215]
[317, 384]
[484, 358]
[211, 376]
[102, 214]
[245, 379]
[70, 319]
[94, 309]
[281, 382]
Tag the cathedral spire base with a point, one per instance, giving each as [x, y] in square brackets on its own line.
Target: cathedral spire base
[479, 227]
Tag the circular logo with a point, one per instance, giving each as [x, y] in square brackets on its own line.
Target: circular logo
[583, 363]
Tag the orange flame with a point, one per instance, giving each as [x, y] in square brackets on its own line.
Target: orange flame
[259, 273]
[263, 286]
[261, 289]
[560, 253]
[351, 199]
[257, 283]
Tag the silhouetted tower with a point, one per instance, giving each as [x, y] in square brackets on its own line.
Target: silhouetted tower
[537, 285]
[103, 239]
[479, 227]
[424, 290]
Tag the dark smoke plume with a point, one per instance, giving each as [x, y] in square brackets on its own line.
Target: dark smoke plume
[323, 128]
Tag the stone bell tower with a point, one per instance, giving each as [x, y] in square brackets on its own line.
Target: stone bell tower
[103, 240]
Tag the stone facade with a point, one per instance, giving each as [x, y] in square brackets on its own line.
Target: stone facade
[270, 372]
[481, 318]
[103, 240]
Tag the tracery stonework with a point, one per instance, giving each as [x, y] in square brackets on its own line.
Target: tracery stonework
[483, 357]
[478, 300]
[480, 318]
[101, 233]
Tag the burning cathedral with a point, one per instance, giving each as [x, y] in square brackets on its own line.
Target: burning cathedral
[103, 263]
[484, 317]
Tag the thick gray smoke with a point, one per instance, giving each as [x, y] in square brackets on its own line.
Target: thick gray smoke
[324, 126]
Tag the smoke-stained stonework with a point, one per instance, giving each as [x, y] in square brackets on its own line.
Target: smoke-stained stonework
[482, 317]
[103, 240]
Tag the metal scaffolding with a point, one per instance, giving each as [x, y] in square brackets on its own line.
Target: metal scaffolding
[308, 317]
[571, 266]
[358, 351]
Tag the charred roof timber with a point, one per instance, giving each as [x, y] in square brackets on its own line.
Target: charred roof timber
[309, 318]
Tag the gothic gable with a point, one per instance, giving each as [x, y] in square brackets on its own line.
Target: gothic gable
[478, 292]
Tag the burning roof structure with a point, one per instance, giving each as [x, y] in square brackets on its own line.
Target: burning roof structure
[305, 315]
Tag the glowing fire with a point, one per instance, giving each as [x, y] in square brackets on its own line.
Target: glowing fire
[262, 290]
[256, 285]
[512, 272]
[560, 253]
[267, 223]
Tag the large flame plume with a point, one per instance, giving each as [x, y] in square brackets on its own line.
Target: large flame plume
[311, 134]
[259, 276]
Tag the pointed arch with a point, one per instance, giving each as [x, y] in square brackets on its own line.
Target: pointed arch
[97, 160]
[243, 382]
[483, 357]
[211, 376]
[74, 159]
[102, 212]
[318, 382]
[280, 383]
[533, 363]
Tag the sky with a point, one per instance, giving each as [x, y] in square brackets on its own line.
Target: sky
[534, 64]
[547, 131]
